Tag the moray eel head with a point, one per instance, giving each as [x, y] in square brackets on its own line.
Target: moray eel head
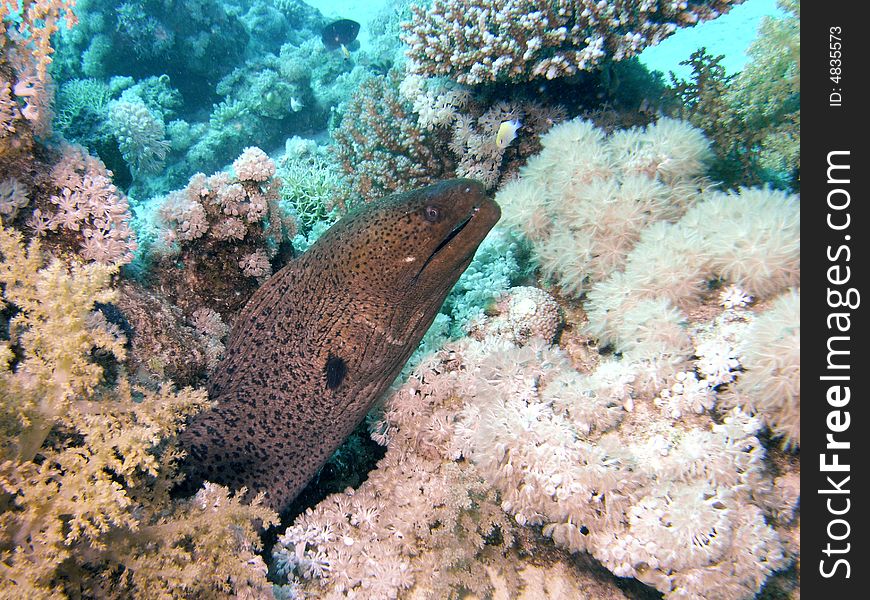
[324, 338]
[415, 242]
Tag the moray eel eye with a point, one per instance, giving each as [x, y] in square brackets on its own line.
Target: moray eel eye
[432, 213]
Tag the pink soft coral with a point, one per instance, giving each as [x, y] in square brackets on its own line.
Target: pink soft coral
[89, 209]
[254, 165]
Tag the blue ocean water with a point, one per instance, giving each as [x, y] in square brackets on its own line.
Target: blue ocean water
[729, 35]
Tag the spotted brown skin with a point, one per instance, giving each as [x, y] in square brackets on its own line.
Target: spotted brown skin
[319, 342]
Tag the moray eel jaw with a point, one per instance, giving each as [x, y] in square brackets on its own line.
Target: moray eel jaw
[326, 335]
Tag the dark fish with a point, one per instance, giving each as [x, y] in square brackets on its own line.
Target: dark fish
[320, 341]
[339, 34]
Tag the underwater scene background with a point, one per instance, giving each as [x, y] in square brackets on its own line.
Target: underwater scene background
[607, 404]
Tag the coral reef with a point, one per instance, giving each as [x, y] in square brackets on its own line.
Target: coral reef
[310, 185]
[607, 404]
[271, 98]
[380, 147]
[163, 343]
[415, 130]
[651, 457]
[481, 41]
[675, 506]
[140, 38]
[274, 79]
[88, 214]
[770, 386]
[141, 136]
[473, 127]
[37, 21]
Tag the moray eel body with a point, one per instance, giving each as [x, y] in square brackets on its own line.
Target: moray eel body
[325, 336]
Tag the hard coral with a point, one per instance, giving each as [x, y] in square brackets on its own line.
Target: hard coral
[523, 312]
[470, 128]
[478, 41]
[380, 148]
[310, 185]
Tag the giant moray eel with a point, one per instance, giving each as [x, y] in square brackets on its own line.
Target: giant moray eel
[326, 335]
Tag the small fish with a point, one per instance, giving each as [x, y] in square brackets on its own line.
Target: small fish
[507, 132]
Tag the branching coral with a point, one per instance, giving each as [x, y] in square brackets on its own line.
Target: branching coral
[86, 463]
[38, 21]
[380, 147]
[473, 128]
[479, 41]
[78, 99]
